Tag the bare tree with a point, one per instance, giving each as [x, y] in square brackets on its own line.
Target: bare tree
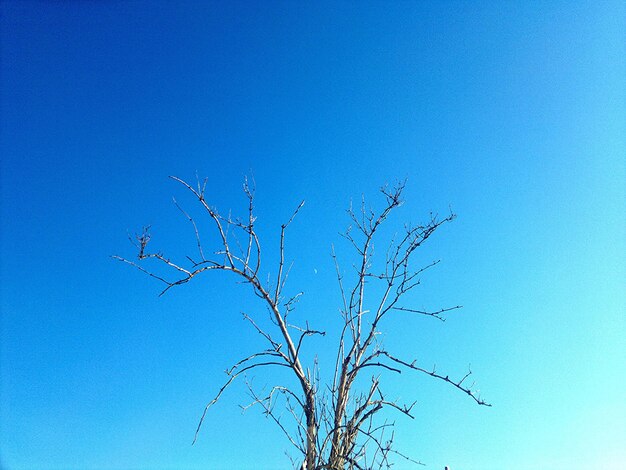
[334, 425]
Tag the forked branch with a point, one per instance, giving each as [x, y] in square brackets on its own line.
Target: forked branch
[333, 426]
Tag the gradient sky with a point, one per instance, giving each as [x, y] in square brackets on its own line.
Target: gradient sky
[511, 113]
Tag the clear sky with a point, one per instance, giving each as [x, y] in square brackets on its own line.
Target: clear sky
[512, 113]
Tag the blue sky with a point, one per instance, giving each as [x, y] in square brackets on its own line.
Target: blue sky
[512, 113]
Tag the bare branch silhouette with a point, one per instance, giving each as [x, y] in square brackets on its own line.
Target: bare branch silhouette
[333, 426]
